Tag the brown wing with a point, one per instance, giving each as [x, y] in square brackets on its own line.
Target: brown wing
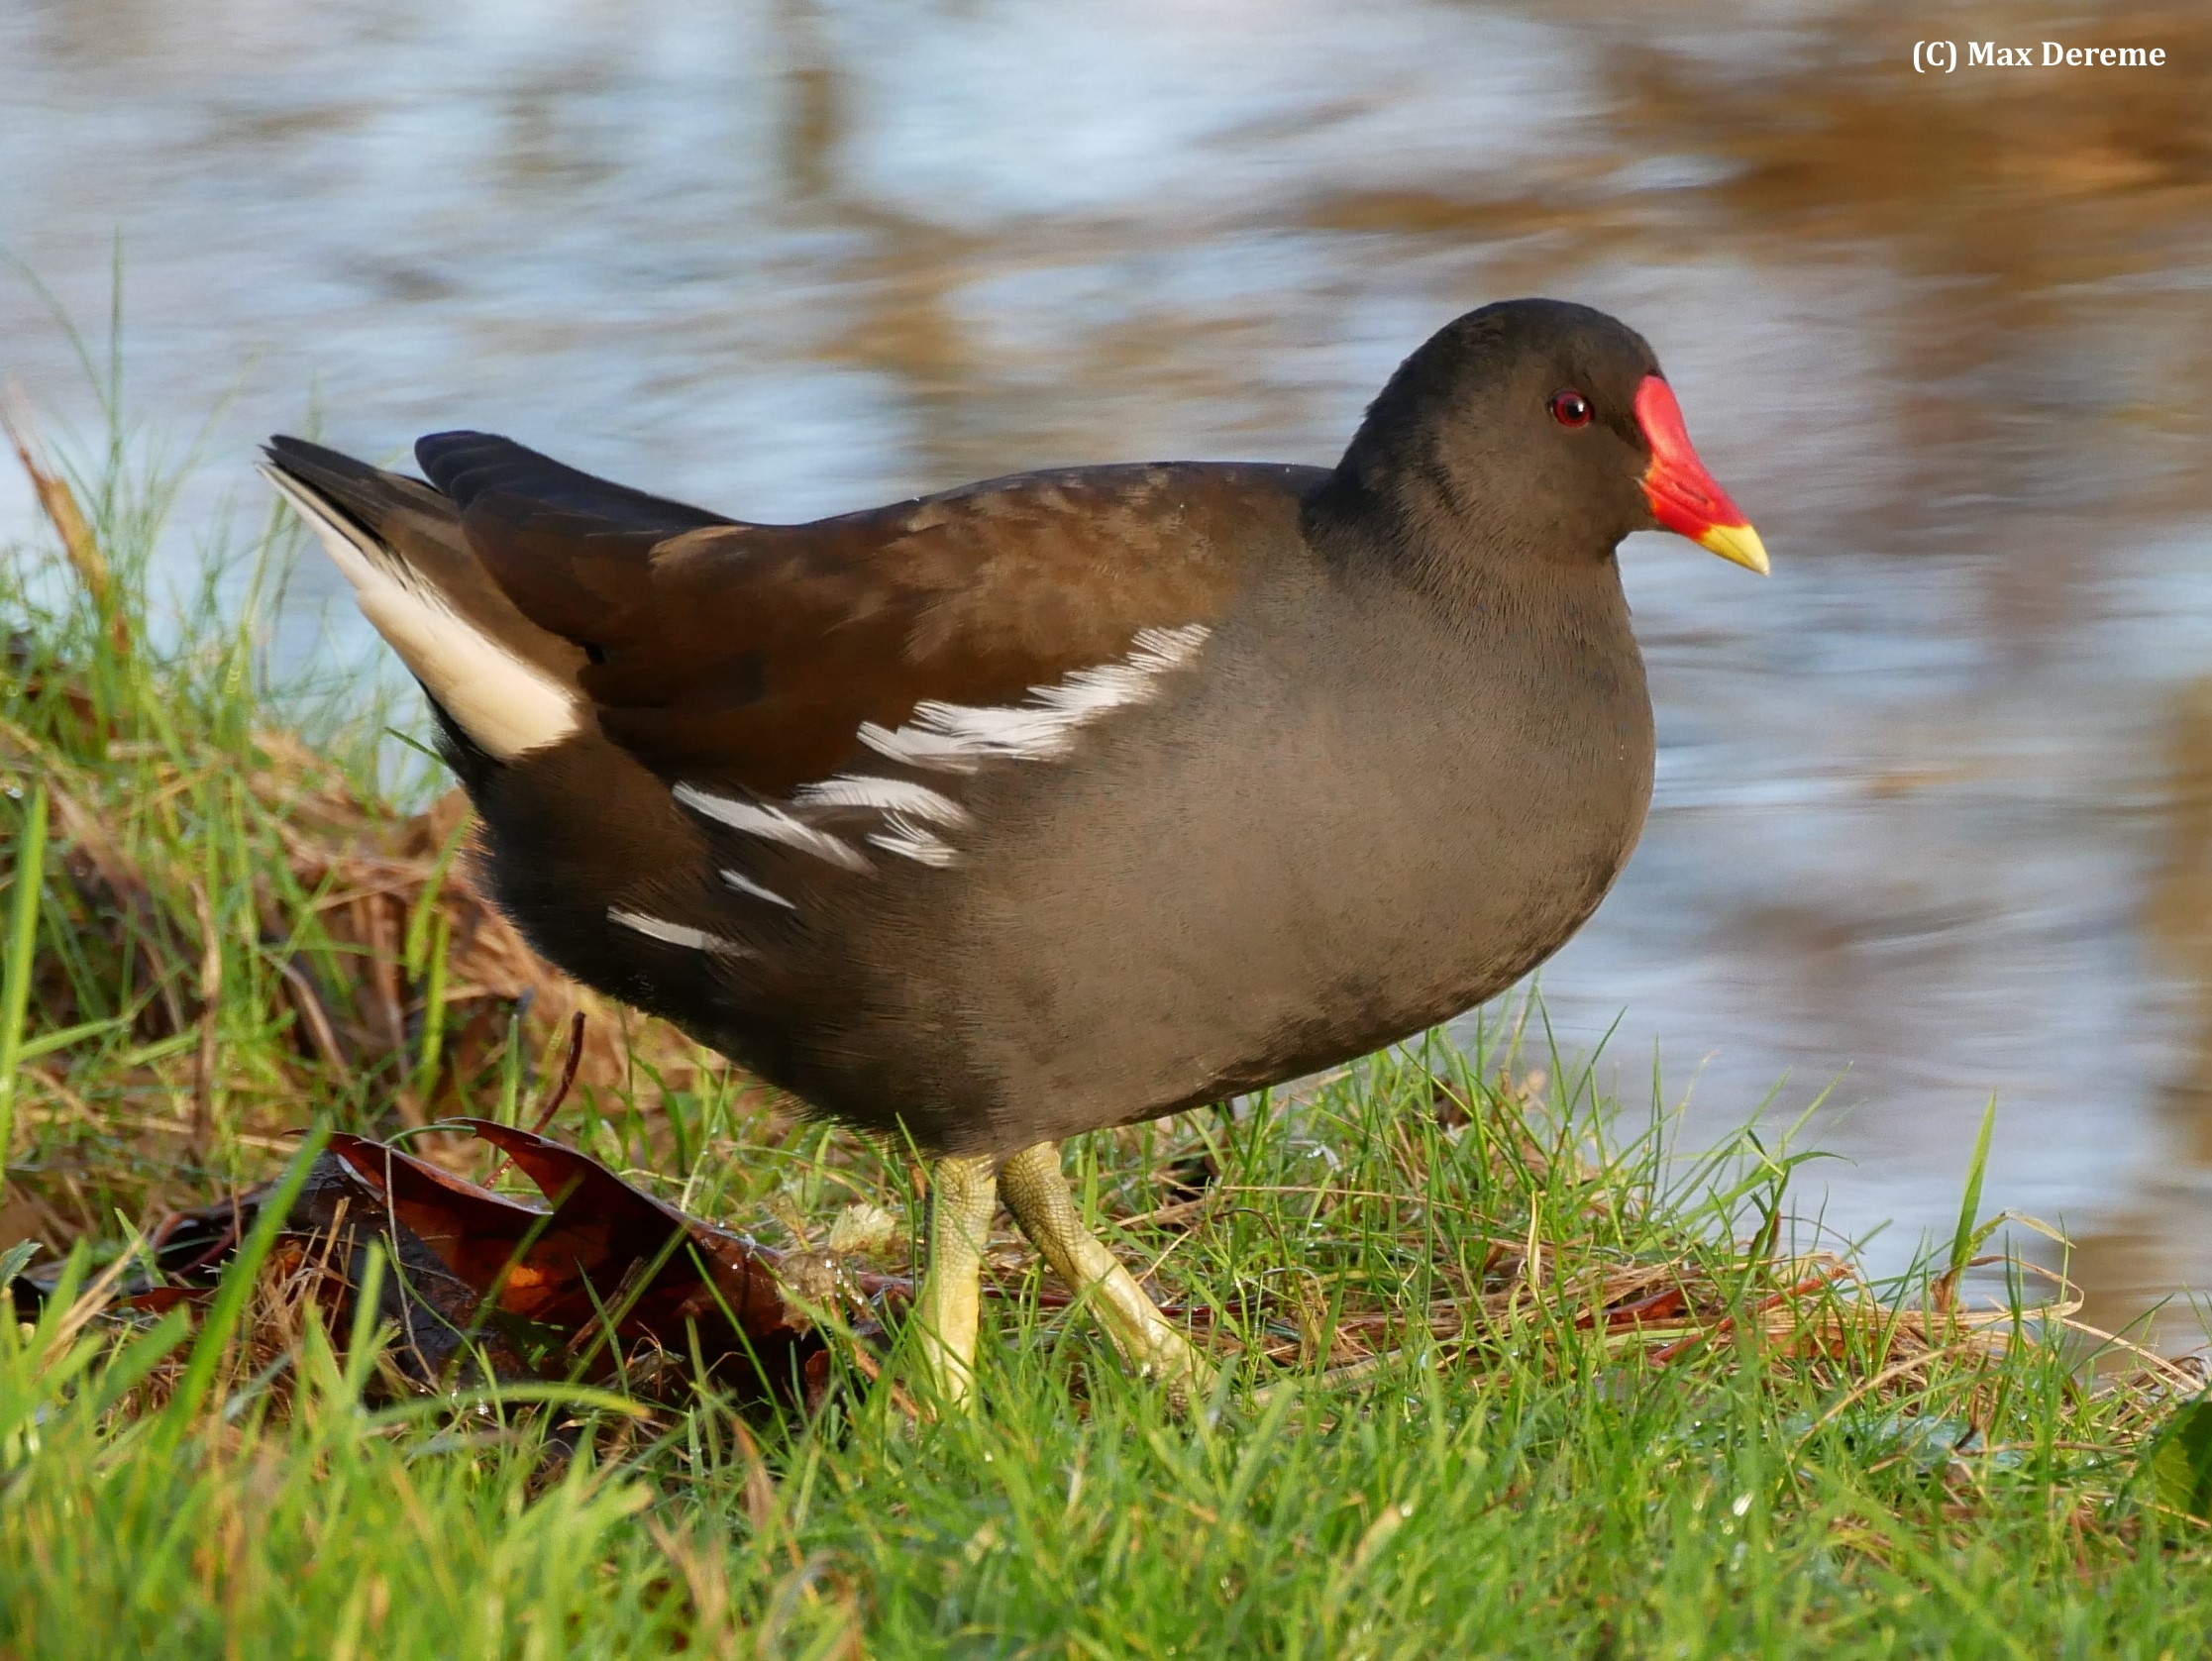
[751, 655]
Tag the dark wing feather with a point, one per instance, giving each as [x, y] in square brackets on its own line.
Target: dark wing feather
[751, 655]
[468, 466]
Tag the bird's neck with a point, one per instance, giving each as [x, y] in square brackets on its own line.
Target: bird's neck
[1462, 551]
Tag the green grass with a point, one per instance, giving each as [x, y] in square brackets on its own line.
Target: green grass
[1824, 1471]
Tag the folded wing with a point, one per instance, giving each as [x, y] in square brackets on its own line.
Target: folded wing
[754, 656]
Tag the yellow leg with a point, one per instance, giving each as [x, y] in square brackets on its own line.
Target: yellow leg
[1036, 1192]
[963, 1194]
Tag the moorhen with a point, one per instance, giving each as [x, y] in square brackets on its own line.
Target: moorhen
[1066, 799]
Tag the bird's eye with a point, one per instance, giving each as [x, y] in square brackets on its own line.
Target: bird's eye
[1570, 408]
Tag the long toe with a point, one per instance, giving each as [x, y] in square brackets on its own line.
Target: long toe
[1036, 1191]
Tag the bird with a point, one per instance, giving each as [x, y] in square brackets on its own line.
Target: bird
[1068, 799]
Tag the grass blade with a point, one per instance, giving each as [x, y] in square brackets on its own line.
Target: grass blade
[16, 972]
[1966, 1239]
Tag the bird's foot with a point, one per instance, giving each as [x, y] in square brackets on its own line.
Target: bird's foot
[1036, 1191]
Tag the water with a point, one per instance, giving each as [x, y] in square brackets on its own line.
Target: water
[1935, 805]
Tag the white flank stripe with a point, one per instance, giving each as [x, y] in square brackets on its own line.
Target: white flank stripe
[674, 934]
[744, 884]
[889, 796]
[504, 703]
[959, 737]
[916, 841]
[757, 818]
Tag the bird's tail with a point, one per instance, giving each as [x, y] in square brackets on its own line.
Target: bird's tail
[501, 684]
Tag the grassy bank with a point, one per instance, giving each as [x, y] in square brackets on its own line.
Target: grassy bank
[1609, 1409]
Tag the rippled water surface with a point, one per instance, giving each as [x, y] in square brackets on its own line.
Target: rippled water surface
[1935, 803]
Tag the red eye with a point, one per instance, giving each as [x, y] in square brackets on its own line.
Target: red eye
[1570, 408]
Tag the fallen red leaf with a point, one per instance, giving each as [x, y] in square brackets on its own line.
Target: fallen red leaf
[603, 1282]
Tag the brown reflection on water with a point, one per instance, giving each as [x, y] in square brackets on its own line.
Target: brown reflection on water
[2011, 200]
[2160, 1241]
[2178, 909]
[2017, 202]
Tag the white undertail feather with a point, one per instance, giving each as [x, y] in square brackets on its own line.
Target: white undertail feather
[959, 737]
[504, 703]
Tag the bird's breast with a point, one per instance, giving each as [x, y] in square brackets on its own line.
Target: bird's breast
[1312, 849]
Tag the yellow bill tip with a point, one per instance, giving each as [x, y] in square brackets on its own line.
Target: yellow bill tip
[1738, 544]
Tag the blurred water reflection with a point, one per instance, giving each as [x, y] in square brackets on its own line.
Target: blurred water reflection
[1935, 804]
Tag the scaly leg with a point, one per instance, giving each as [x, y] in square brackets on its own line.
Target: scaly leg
[962, 1198]
[1036, 1192]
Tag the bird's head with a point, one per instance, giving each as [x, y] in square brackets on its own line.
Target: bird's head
[1543, 428]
